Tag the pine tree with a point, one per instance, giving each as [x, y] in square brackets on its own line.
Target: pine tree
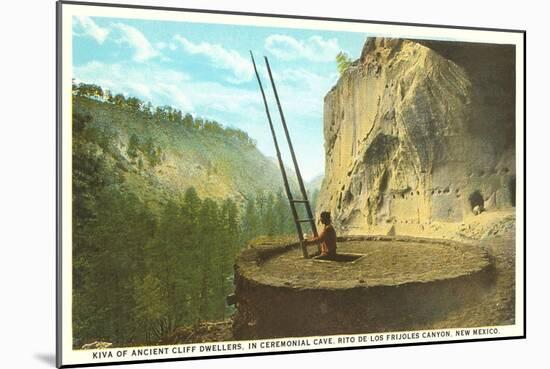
[253, 215]
[343, 62]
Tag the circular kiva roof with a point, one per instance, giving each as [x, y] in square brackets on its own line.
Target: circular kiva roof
[369, 262]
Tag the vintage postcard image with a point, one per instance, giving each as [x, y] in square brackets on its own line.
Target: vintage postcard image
[233, 184]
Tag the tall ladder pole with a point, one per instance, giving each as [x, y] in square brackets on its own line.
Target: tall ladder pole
[311, 219]
[281, 165]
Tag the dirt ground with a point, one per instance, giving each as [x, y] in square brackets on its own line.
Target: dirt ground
[380, 263]
[494, 232]
[498, 307]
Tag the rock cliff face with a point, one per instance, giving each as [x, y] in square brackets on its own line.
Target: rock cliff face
[418, 132]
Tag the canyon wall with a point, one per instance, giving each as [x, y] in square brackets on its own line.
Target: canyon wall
[419, 132]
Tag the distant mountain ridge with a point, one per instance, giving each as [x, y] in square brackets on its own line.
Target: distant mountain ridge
[315, 183]
[161, 159]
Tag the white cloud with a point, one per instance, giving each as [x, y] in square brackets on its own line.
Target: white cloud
[166, 45]
[143, 50]
[165, 86]
[176, 94]
[90, 28]
[301, 91]
[160, 86]
[220, 58]
[315, 48]
[305, 79]
[223, 98]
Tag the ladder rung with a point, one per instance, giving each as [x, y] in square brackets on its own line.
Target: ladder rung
[304, 220]
[302, 201]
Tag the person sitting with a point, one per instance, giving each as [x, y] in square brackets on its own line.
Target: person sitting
[327, 238]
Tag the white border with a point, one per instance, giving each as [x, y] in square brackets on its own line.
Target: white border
[70, 356]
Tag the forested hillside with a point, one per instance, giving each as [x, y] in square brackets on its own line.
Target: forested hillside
[162, 202]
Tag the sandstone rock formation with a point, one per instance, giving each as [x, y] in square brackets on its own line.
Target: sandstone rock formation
[418, 132]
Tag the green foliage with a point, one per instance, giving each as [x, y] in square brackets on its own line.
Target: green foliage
[119, 100]
[160, 113]
[150, 308]
[137, 277]
[89, 90]
[267, 214]
[133, 147]
[343, 62]
[148, 149]
[145, 262]
[187, 121]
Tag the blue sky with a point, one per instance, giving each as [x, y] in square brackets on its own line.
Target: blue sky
[205, 69]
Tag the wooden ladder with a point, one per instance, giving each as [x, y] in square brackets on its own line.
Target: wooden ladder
[304, 200]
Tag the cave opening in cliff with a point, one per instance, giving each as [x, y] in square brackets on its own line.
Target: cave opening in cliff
[384, 181]
[512, 189]
[476, 199]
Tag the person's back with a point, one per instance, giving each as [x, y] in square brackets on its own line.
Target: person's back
[328, 246]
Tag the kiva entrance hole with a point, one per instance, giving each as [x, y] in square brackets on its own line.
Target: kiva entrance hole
[340, 258]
